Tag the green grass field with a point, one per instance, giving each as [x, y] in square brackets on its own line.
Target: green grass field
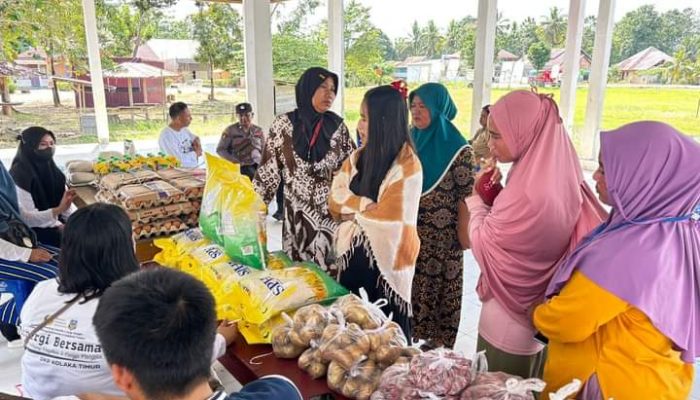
[622, 105]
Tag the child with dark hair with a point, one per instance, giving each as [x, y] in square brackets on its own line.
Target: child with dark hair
[376, 194]
[63, 355]
[156, 328]
[177, 140]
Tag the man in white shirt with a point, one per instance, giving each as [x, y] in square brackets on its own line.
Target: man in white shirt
[177, 140]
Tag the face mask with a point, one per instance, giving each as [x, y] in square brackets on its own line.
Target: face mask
[45, 154]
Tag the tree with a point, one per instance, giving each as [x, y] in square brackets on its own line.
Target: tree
[588, 40]
[636, 31]
[122, 24]
[14, 28]
[356, 22]
[675, 26]
[529, 34]
[57, 28]
[389, 52]
[146, 10]
[403, 47]
[681, 70]
[502, 23]
[218, 30]
[292, 55]
[416, 39]
[293, 49]
[173, 30]
[297, 18]
[468, 52]
[364, 54]
[431, 40]
[454, 36]
[555, 25]
[509, 39]
[539, 54]
[365, 45]
[692, 45]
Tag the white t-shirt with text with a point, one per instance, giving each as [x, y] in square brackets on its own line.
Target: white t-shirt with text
[65, 357]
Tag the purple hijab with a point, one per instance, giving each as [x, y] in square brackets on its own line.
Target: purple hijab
[648, 251]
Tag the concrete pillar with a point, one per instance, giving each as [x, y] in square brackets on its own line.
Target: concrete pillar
[598, 80]
[574, 35]
[258, 60]
[98, 89]
[336, 50]
[483, 59]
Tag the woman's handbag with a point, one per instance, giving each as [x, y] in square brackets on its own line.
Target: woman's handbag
[17, 232]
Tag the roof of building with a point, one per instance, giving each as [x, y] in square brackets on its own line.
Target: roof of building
[646, 59]
[557, 58]
[505, 55]
[8, 69]
[136, 70]
[32, 54]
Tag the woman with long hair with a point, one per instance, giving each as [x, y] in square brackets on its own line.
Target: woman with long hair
[63, 355]
[376, 195]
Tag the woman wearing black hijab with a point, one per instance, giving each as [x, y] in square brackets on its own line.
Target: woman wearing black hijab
[23, 262]
[306, 147]
[44, 201]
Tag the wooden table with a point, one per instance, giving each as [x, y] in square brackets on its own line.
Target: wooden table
[145, 250]
[237, 362]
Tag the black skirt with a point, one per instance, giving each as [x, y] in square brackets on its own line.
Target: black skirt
[362, 273]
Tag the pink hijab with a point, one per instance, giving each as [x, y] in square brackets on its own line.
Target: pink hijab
[543, 211]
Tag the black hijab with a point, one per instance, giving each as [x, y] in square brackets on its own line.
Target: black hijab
[36, 172]
[9, 209]
[305, 118]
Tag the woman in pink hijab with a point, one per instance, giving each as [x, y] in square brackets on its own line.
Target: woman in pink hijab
[535, 221]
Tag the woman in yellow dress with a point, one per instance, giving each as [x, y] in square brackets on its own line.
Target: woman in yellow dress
[624, 309]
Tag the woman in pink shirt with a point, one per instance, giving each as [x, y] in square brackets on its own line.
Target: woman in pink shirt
[536, 220]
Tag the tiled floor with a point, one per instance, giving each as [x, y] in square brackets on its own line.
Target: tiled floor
[466, 341]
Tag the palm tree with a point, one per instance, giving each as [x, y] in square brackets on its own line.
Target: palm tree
[695, 74]
[528, 34]
[416, 39]
[403, 47]
[555, 25]
[502, 24]
[682, 68]
[454, 37]
[431, 40]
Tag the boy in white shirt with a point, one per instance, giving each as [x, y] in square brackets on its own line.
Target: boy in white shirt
[177, 140]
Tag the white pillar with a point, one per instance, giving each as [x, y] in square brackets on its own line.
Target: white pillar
[483, 59]
[258, 60]
[598, 80]
[574, 34]
[98, 89]
[336, 50]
